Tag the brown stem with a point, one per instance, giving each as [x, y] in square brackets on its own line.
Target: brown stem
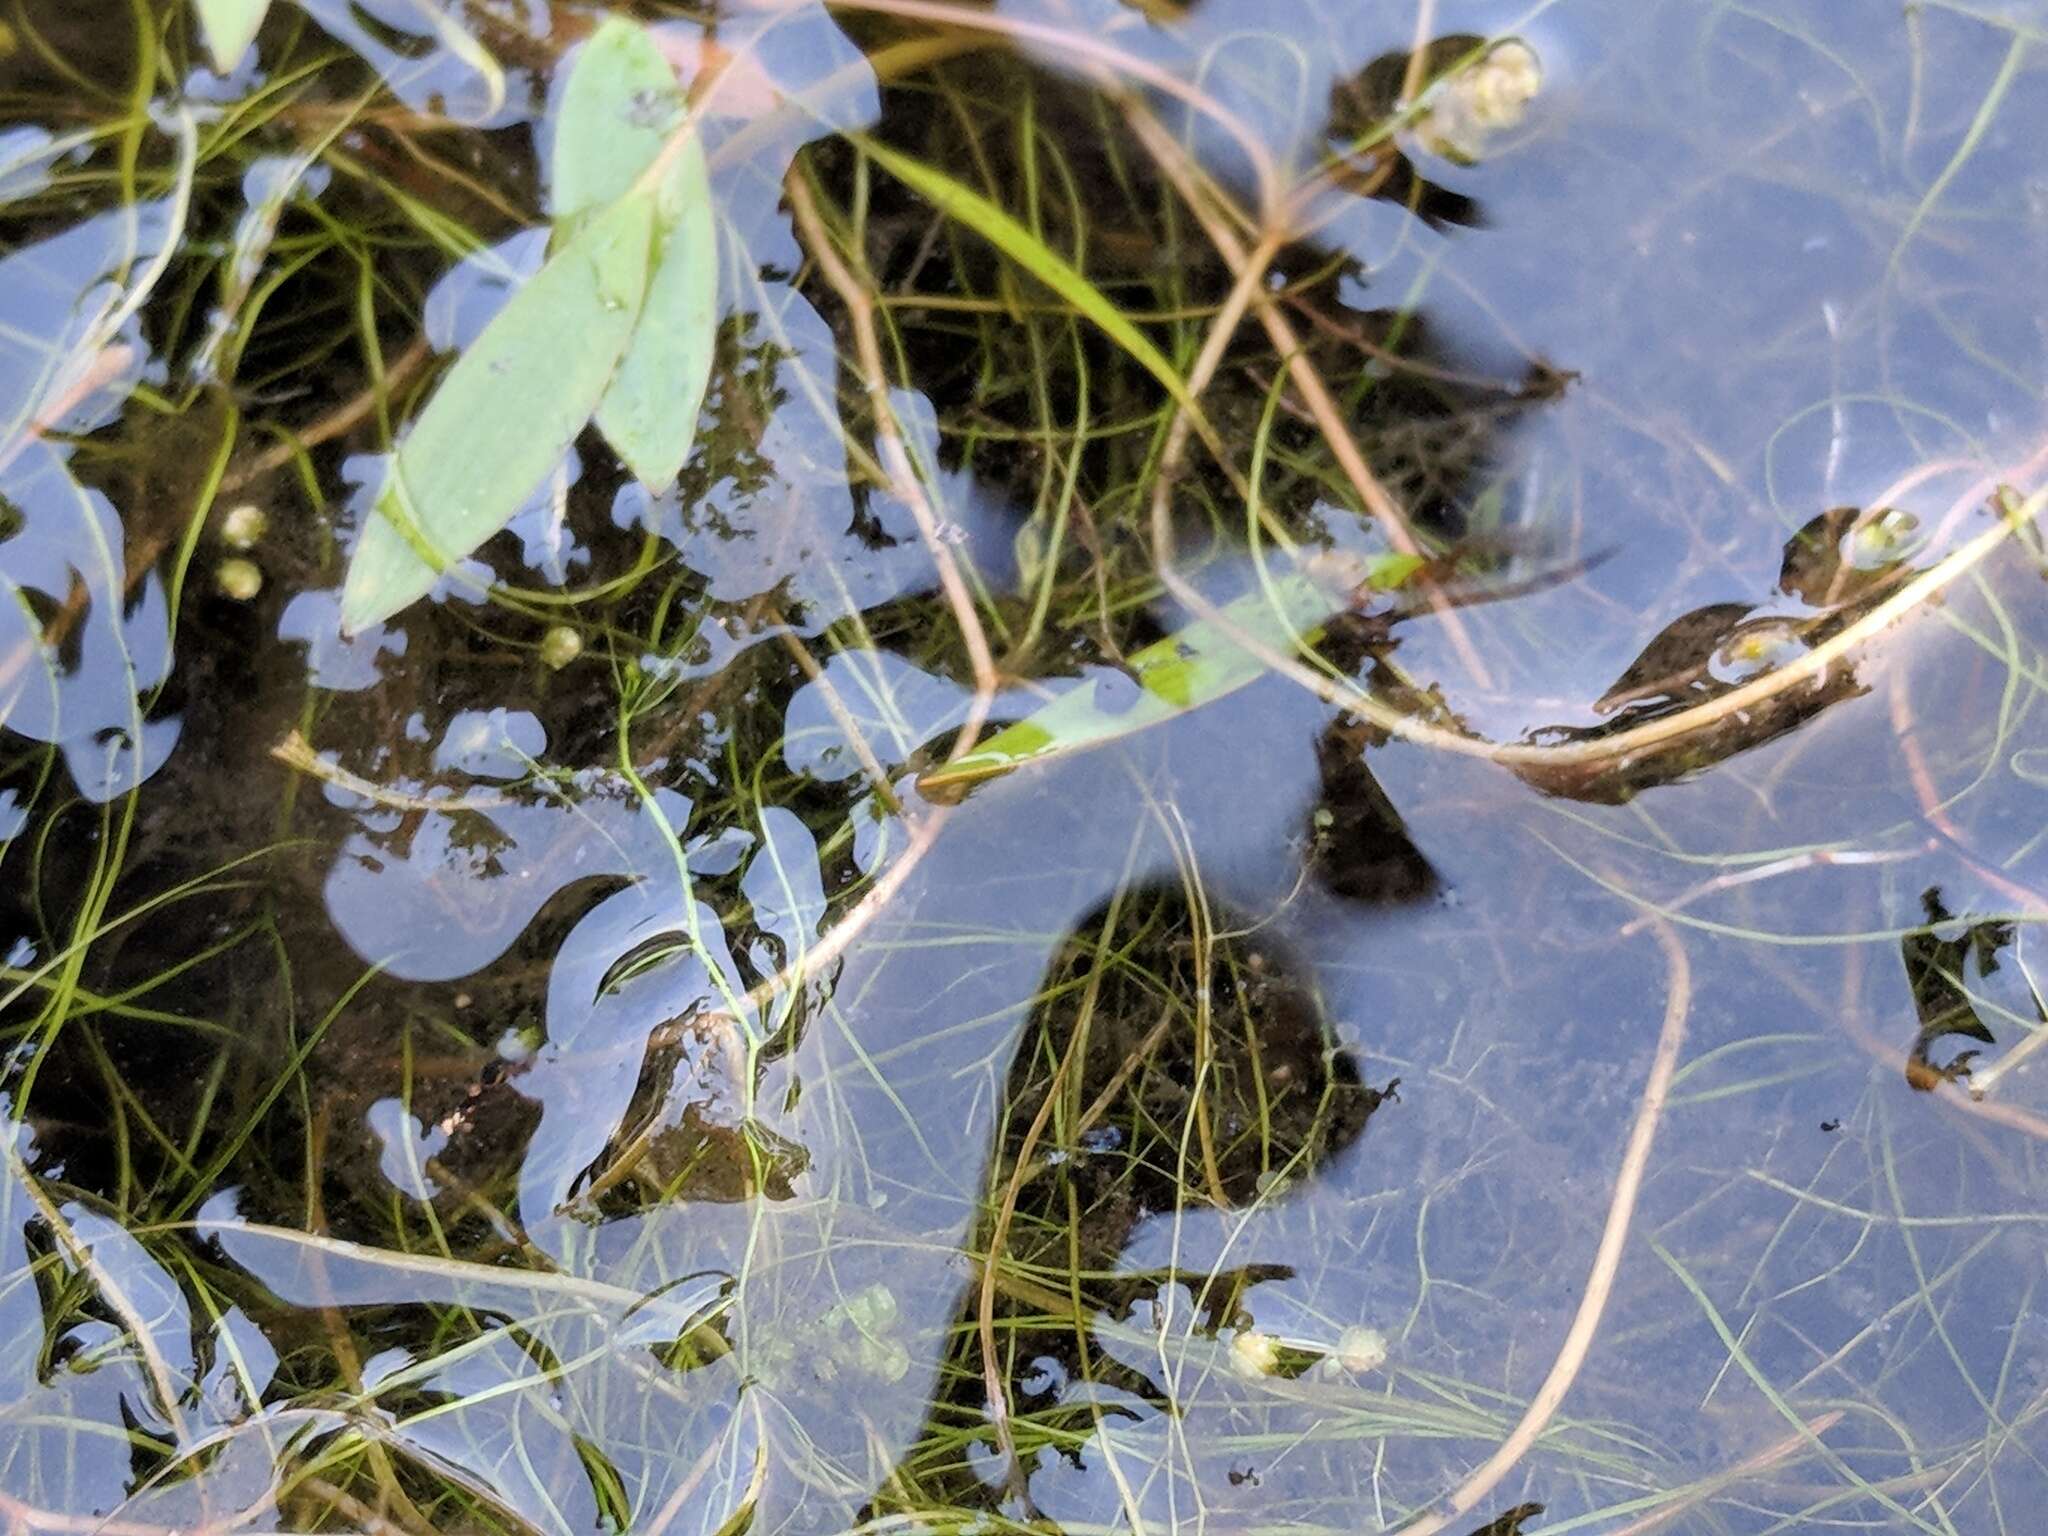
[904, 481]
[1180, 169]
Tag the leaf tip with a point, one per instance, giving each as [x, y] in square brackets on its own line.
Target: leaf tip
[229, 28]
[369, 594]
[358, 612]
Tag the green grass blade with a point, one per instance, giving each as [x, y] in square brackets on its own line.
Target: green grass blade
[506, 413]
[457, 39]
[1195, 665]
[617, 111]
[229, 27]
[969, 207]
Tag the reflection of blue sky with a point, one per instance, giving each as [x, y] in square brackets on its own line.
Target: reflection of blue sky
[87, 698]
[86, 1371]
[27, 156]
[1267, 64]
[1760, 322]
[787, 520]
[428, 62]
[58, 300]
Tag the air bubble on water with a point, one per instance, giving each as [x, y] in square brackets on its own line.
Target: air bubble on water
[1881, 539]
[1755, 652]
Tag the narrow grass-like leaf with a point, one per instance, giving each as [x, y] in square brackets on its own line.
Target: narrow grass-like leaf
[617, 112]
[457, 39]
[229, 27]
[508, 410]
[969, 207]
[1195, 665]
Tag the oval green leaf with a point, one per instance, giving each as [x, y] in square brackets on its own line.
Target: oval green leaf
[229, 27]
[618, 107]
[505, 415]
[649, 415]
[617, 113]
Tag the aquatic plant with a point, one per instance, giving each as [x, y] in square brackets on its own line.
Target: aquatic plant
[1059, 765]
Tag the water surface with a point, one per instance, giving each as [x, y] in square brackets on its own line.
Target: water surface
[452, 1087]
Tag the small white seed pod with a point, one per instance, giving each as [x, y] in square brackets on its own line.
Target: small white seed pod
[560, 646]
[244, 526]
[239, 579]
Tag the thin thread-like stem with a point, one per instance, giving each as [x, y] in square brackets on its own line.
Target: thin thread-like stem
[1619, 748]
[1578, 1341]
[904, 481]
[1778, 1450]
[1414, 77]
[1180, 169]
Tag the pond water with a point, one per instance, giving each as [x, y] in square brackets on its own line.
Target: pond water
[761, 1004]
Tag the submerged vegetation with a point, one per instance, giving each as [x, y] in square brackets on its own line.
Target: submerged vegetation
[1056, 765]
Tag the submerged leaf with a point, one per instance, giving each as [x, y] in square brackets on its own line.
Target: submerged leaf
[229, 27]
[617, 114]
[506, 413]
[1195, 665]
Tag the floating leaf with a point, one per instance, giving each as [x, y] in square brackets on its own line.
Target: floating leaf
[229, 27]
[617, 108]
[650, 412]
[963, 203]
[618, 111]
[1195, 665]
[506, 413]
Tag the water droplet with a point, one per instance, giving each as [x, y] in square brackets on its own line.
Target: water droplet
[1755, 650]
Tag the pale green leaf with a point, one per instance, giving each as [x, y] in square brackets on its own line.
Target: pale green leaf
[649, 415]
[229, 27]
[618, 111]
[617, 108]
[1195, 665]
[969, 207]
[506, 413]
